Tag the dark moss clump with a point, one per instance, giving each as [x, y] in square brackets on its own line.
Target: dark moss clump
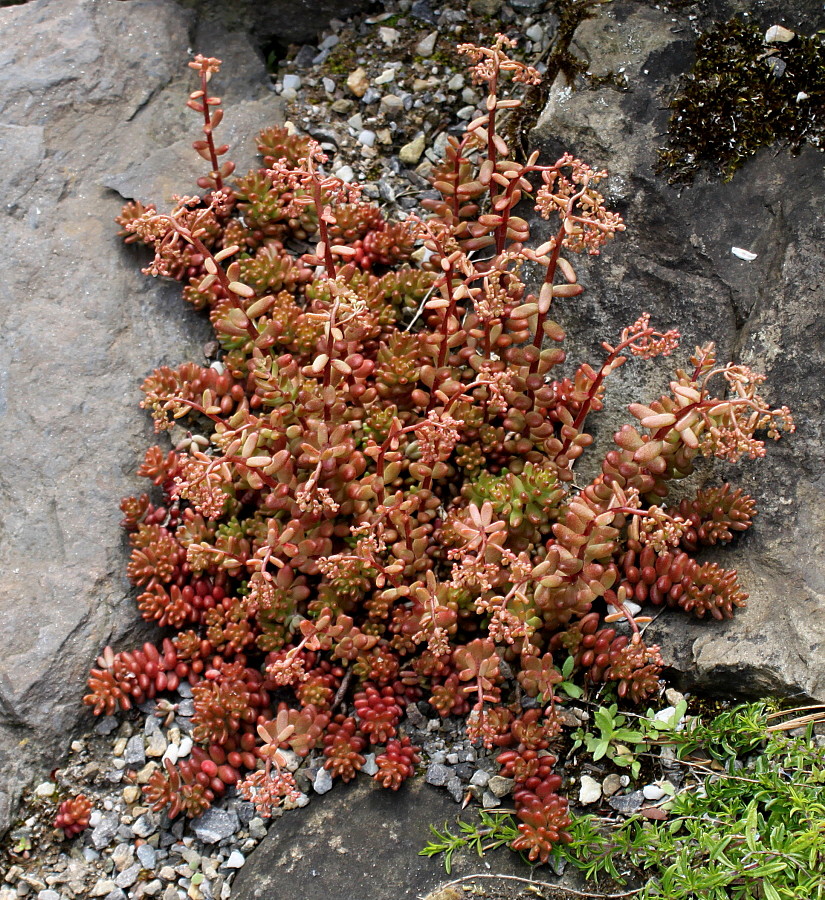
[742, 95]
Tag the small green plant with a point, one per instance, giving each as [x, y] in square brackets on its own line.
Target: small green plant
[612, 740]
[490, 831]
[755, 830]
[752, 828]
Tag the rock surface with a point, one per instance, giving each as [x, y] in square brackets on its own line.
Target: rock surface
[675, 262]
[311, 853]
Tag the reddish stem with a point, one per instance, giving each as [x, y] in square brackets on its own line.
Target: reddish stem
[207, 130]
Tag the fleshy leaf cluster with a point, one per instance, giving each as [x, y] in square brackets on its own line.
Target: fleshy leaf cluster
[371, 499]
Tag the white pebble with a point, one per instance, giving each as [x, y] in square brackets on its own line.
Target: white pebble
[778, 33]
[171, 753]
[389, 36]
[235, 861]
[590, 790]
[292, 82]
[653, 792]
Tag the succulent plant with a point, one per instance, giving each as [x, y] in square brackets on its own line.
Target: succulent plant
[375, 503]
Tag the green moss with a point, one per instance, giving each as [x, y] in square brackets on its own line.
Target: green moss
[342, 60]
[741, 96]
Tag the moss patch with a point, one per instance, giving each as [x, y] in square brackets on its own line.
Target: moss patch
[742, 95]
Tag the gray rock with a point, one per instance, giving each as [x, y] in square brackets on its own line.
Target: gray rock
[437, 774]
[84, 106]
[369, 847]
[426, 45]
[123, 856]
[106, 725]
[455, 788]
[627, 804]
[105, 830]
[304, 58]
[500, 786]
[480, 778]
[215, 825]
[128, 876]
[135, 754]
[257, 829]
[144, 825]
[147, 855]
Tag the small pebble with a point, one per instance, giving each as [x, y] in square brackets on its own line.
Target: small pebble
[389, 36]
[357, 82]
[501, 786]
[147, 855]
[143, 826]
[134, 753]
[156, 745]
[590, 790]
[128, 876]
[106, 725]
[367, 138]
[215, 825]
[611, 785]
[455, 788]
[437, 774]
[370, 766]
[426, 45]
[391, 105]
[257, 829]
[627, 803]
[653, 792]
[235, 861]
[480, 778]
[322, 782]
